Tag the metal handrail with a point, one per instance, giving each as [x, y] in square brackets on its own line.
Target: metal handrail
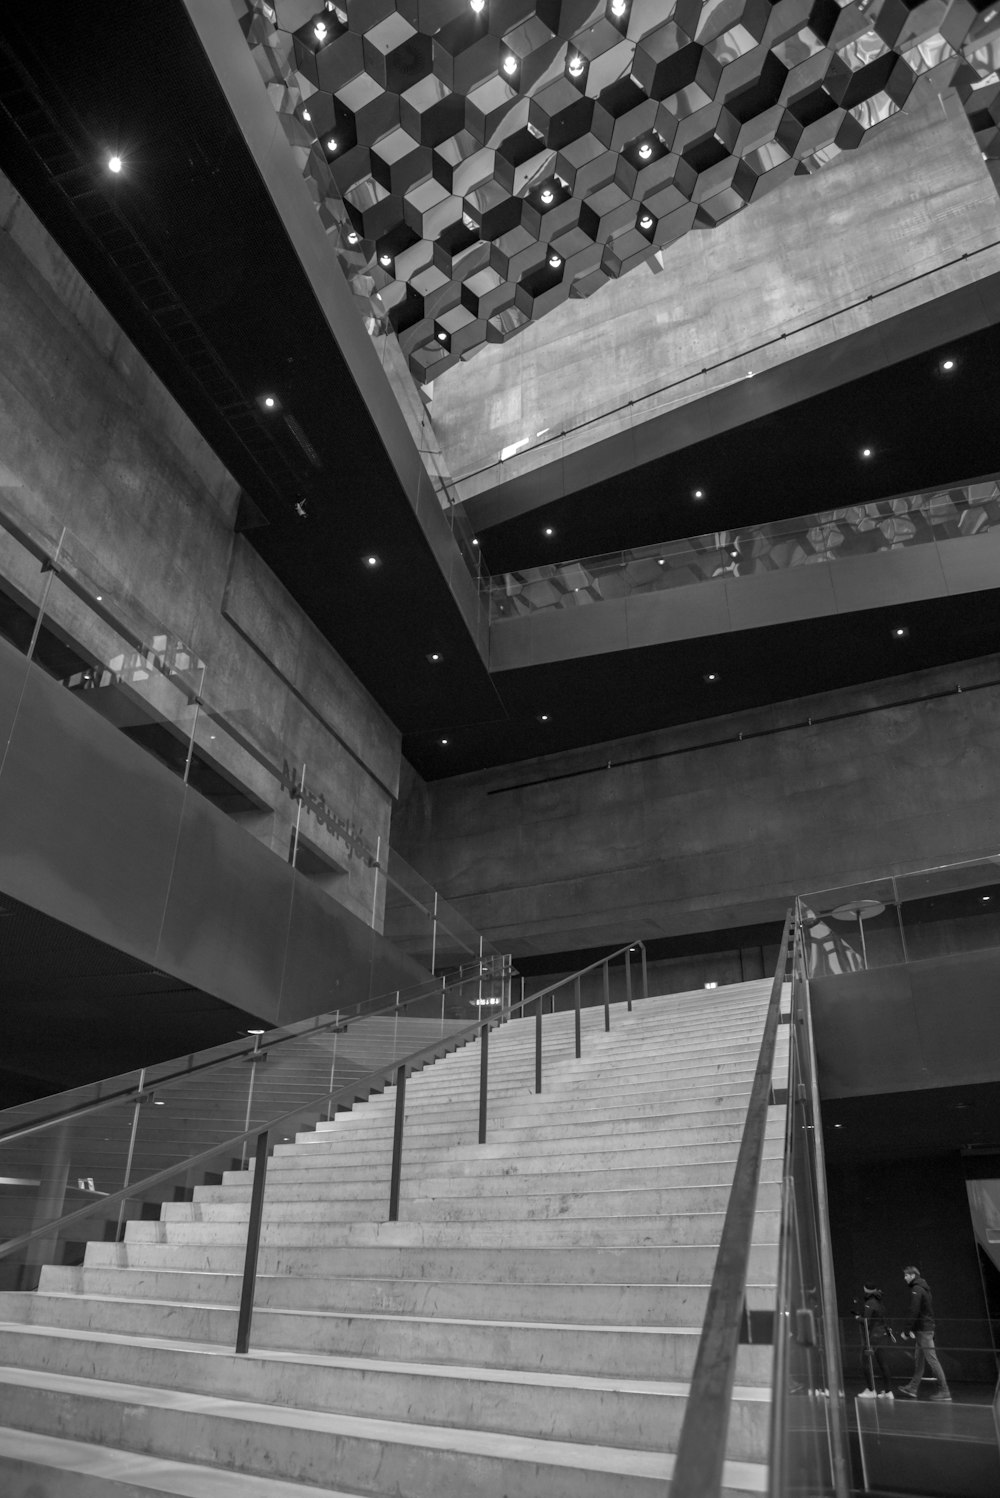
[630, 946]
[701, 1449]
[320, 1025]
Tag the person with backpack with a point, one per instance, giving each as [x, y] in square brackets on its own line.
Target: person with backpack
[876, 1336]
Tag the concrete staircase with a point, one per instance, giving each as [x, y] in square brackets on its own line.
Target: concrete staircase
[527, 1329]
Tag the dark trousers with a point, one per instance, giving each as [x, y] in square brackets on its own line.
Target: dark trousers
[875, 1365]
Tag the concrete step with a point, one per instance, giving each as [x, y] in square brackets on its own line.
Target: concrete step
[627, 1305]
[481, 1206]
[521, 1110]
[369, 1455]
[492, 1178]
[656, 1264]
[640, 1414]
[650, 1351]
[38, 1466]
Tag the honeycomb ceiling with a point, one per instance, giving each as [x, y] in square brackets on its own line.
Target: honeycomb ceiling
[476, 162]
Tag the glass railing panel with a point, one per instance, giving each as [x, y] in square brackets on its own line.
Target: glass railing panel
[920, 1447]
[851, 928]
[966, 1346]
[950, 910]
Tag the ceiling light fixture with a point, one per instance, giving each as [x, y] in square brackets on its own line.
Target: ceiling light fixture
[547, 195]
[509, 64]
[575, 65]
[255, 1032]
[477, 6]
[698, 494]
[900, 632]
[948, 364]
[555, 260]
[371, 560]
[353, 236]
[114, 164]
[985, 898]
[385, 259]
[331, 144]
[646, 150]
[646, 222]
[618, 7]
[866, 452]
[270, 402]
[306, 115]
[443, 741]
[320, 31]
[711, 676]
[434, 657]
[548, 531]
[442, 336]
[711, 983]
[544, 718]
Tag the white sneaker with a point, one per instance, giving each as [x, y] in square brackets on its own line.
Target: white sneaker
[887, 1394]
[867, 1394]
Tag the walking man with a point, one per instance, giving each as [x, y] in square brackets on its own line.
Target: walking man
[921, 1318]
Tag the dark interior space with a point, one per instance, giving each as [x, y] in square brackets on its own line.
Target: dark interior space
[76, 1010]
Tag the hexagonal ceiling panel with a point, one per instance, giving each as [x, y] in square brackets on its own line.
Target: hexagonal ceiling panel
[476, 162]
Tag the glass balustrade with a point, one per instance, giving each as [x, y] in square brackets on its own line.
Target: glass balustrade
[751, 551]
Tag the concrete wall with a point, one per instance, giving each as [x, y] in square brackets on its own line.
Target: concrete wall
[717, 832]
[871, 239]
[91, 441]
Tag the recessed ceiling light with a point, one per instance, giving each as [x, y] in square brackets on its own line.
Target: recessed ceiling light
[575, 65]
[548, 531]
[985, 898]
[698, 494]
[646, 150]
[442, 336]
[306, 115]
[948, 364]
[372, 560]
[320, 32]
[331, 144]
[474, 541]
[353, 236]
[509, 64]
[866, 452]
[544, 718]
[385, 258]
[711, 983]
[555, 261]
[618, 7]
[443, 741]
[270, 402]
[434, 656]
[711, 676]
[477, 6]
[547, 195]
[114, 164]
[749, 374]
[900, 632]
[646, 222]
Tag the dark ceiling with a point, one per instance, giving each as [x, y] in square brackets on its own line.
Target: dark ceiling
[188, 254]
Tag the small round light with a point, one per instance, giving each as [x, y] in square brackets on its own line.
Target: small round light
[618, 7]
[442, 336]
[711, 675]
[509, 64]
[331, 144]
[544, 718]
[114, 164]
[646, 222]
[474, 541]
[477, 6]
[385, 259]
[353, 236]
[866, 452]
[269, 402]
[555, 261]
[646, 150]
[320, 31]
[371, 561]
[948, 364]
[255, 1032]
[548, 531]
[699, 494]
[444, 741]
[575, 65]
[985, 898]
[434, 656]
[547, 195]
[306, 115]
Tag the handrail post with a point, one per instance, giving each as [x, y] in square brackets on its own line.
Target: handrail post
[253, 1243]
[131, 1148]
[444, 979]
[576, 1007]
[628, 978]
[434, 934]
[538, 1044]
[397, 1145]
[484, 1041]
[607, 995]
[645, 976]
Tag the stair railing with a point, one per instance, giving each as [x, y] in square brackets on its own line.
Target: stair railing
[40, 1243]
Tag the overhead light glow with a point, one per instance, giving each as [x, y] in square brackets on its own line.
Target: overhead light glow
[699, 494]
[474, 541]
[575, 65]
[442, 336]
[547, 195]
[331, 144]
[646, 222]
[555, 261]
[618, 7]
[371, 560]
[948, 364]
[434, 656]
[711, 675]
[548, 531]
[320, 31]
[353, 236]
[866, 452]
[544, 718]
[385, 258]
[255, 1032]
[269, 402]
[477, 6]
[646, 150]
[444, 741]
[711, 983]
[114, 164]
[306, 115]
[509, 64]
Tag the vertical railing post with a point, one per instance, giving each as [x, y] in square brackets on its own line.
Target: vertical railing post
[194, 724]
[434, 934]
[49, 567]
[252, 1058]
[607, 996]
[480, 990]
[131, 1148]
[899, 918]
[333, 1067]
[538, 1044]
[253, 1244]
[300, 797]
[645, 976]
[576, 1015]
[397, 1145]
[628, 978]
[378, 855]
[484, 1041]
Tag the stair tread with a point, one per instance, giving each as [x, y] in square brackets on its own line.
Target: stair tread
[109, 1465]
[540, 1451]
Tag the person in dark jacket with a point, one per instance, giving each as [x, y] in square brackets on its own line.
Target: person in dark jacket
[876, 1336]
[921, 1318]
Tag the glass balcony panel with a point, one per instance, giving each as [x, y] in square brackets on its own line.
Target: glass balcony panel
[851, 928]
[951, 910]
